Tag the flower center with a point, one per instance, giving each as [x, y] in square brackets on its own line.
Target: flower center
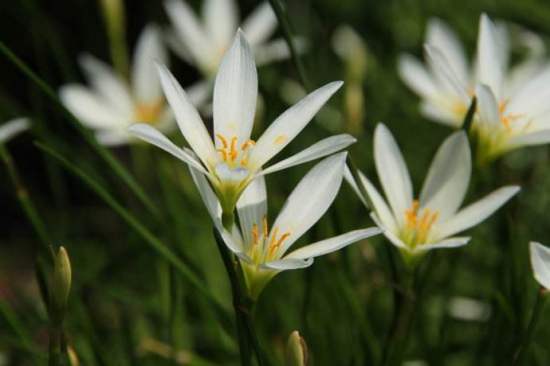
[418, 224]
[231, 154]
[507, 119]
[149, 113]
[263, 248]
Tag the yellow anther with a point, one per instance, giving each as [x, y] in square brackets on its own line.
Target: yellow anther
[255, 233]
[148, 113]
[265, 227]
[223, 152]
[244, 162]
[247, 144]
[233, 152]
[419, 223]
[223, 140]
[283, 237]
[273, 239]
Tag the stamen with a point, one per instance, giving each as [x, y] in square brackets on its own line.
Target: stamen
[244, 162]
[233, 153]
[255, 233]
[224, 153]
[283, 237]
[273, 238]
[223, 140]
[247, 144]
[265, 227]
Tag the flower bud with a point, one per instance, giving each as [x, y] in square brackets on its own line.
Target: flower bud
[296, 350]
[61, 281]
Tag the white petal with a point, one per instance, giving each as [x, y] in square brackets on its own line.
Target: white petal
[220, 20]
[446, 76]
[441, 36]
[488, 105]
[13, 128]
[489, 52]
[208, 196]
[392, 172]
[190, 31]
[318, 150]
[448, 178]
[109, 86]
[235, 93]
[389, 234]
[252, 208]
[333, 244]
[310, 199]
[145, 81]
[90, 109]
[530, 139]
[151, 135]
[477, 212]
[286, 264]
[290, 123]
[260, 24]
[416, 77]
[113, 137]
[277, 50]
[447, 243]
[189, 120]
[540, 260]
[233, 242]
[532, 97]
[442, 113]
[227, 174]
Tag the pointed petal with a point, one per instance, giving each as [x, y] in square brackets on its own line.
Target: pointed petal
[477, 212]
[390, 235]
[109, 86]
[233, 243]
[235, 93]
[448, 178]
[220, 20]
[532, 97]
[277, 50]
[286, 264]
[540, 261]
[318, 150]
[310, 199]
[416, 77]
[252, 208]
[445, 74]
[208, 196]
[189, 120]
[392, 172]
[440, 35]
[145, 81]
[488, 106]
[151, 135]
[442, 113]
[290, 123]
[447, 243]
[13, 128]
[90, 109]
[260, 24]
[113, 138]
[490, 67]
[530, 139]
[333, 244]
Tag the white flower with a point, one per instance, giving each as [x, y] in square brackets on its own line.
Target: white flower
[203, 42]
[540, 260]
[512, 105]
[415, 226]
[112, 104]
[13, 128]
[263, 250]
[234, 160]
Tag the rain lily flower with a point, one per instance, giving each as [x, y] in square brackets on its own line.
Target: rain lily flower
[233, 161]
[202, 43]
[540, 260]
[263, 250]
[112, 104]
[418, 225]
[512, 109]
[13, 128]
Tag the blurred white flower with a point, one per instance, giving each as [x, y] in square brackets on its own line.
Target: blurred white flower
[512, 104]
[540, 261]
[234, 160]
[203, 42]
[13, 128]
[263, 251]
[415, 226]
[111, 103]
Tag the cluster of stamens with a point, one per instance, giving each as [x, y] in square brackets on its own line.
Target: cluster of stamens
[261, 248]
[418, 226]
[230, 153]
[506, 119]
[148, 113]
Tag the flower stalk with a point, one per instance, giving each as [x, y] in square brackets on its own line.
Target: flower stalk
[530, 333]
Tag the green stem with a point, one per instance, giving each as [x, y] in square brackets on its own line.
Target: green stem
[244, 310]
[25, 201]
[289, 38]
[54, 349]
[529, 336]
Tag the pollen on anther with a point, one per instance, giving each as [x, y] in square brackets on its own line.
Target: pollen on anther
[223, 140]
[247, 144]
[224, 154]
[255, 233]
